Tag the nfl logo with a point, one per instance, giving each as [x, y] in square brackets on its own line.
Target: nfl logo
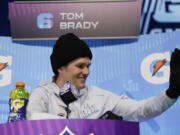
[66, 131]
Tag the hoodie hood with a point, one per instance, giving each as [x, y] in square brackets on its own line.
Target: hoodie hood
[52, 87]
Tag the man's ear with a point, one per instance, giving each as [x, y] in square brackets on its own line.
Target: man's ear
[61, 69]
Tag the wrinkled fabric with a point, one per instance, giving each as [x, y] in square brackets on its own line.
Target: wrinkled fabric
[92, 103]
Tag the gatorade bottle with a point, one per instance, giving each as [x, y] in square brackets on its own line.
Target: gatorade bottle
[18, 102]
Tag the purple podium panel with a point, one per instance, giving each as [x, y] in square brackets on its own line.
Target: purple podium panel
[70, 127]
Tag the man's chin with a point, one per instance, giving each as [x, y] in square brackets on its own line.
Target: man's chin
[80, 86]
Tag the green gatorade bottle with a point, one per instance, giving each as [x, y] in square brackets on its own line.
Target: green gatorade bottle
[18, 102]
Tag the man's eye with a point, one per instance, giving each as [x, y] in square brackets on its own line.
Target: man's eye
[80, 66]
[88, 66]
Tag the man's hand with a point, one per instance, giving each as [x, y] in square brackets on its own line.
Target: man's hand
[174, 80]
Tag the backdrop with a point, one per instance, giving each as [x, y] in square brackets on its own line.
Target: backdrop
[121, 66]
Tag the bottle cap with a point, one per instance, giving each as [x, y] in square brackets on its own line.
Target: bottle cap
[20, 84]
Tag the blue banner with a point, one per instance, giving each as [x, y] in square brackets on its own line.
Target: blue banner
[159, 16]
[121, 66]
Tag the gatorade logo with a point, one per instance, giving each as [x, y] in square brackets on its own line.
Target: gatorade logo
[160, 16]
[167, 11]
[148, 71]
[5, 74]
[17, 104]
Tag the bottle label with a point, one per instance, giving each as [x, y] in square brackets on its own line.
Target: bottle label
[17, 109]
[16, 117]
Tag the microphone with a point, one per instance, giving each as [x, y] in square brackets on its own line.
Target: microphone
[66, 93]
[67, 96]
[110, 115]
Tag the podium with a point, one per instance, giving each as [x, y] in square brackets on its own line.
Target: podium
[70, 127]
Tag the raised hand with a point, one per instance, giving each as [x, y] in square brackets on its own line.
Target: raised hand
[174, 80]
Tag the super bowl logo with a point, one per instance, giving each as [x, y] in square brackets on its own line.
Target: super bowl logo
[160, 16]
[5, 74]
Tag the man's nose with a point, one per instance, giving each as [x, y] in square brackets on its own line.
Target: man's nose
[86, 71]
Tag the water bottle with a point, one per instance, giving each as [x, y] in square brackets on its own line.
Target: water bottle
[17, 102]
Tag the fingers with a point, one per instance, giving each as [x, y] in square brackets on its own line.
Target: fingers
[176, 50]
[175, 58]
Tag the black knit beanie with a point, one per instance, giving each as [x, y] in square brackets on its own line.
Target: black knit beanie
[66, 49]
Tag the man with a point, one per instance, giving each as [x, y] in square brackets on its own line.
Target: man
[67, 96]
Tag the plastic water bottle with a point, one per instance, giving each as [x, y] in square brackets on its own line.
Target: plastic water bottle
[18, 102]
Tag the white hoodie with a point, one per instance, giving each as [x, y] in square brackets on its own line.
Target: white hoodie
[93, 102]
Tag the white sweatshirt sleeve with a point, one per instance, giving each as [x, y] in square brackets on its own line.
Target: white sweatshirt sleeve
[37, 106]
[133, 110]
